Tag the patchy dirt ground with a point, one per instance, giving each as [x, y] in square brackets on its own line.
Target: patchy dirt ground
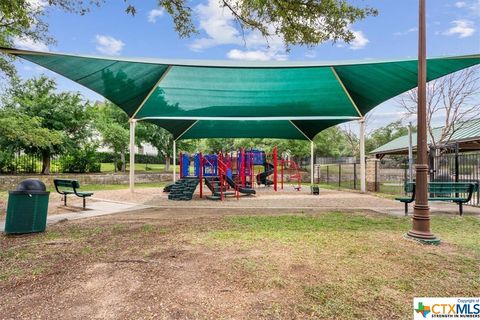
[143, 265]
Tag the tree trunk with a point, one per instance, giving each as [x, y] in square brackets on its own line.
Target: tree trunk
[122, 158]
[167, 163]
[45, 162]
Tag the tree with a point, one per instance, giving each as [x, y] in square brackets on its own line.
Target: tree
[302, 22]
[111, 122]
[63, 112]
[453, 99]
[162, 140]
[23, 20]
[219, 144]
[299, 22]
[383, 135]
[332, 142]
[19, 131]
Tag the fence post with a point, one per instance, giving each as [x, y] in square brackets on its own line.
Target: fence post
[339, 175]
[457, 165]
[431, 165]
[328, 177]
[355, 176]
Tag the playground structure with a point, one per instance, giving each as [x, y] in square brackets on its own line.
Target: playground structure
[232, 174]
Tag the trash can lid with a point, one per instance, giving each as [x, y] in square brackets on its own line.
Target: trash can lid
[31, 185]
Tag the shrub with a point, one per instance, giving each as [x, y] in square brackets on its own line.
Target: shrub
[7, 160]
[109, 157]
[80, 161]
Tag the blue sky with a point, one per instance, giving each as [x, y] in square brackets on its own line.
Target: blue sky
[108, 30]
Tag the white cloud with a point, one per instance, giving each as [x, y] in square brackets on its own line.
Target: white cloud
[218, 25]
[359, 42]
[462, 28]
[154, 14]
[475, 7]
[255, 55]
[402, 33]
[472, 7]
[108, 45]
[310, 54]
[37, 4]
[29, 44]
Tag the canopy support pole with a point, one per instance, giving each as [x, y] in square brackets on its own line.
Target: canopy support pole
[174, 161]
[363, 185]
[311, 162]
[132, 155]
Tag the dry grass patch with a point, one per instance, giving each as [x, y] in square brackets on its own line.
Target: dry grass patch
[334, 265]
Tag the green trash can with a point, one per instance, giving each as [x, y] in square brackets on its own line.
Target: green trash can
[27, 208]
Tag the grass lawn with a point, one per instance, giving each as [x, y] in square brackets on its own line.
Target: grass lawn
[334, 265]
[108, 167]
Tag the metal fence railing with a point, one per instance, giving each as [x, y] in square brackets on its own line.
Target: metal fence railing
[391, 173]
[338, 175]
[20, 163]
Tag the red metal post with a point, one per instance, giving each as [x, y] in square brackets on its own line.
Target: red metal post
[252, 167]
[242, 167]
[275, 168]
[282, 162]
[221, 185]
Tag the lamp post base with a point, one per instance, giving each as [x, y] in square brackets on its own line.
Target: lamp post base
[429, 239]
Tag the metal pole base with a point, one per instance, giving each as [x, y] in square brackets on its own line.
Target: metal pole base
[435, 241]
[421, 226]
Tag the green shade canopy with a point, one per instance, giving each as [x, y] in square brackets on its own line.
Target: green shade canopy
[195, 99]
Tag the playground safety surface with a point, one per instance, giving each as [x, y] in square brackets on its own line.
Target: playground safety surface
[267, 199]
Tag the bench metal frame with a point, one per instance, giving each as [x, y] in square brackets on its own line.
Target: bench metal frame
[471, 187]
[74, 184]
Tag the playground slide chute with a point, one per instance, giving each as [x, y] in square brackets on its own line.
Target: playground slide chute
[262, 177]
[238, 187]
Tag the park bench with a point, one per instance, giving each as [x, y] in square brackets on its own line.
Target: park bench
[67, 186]
[457, 192]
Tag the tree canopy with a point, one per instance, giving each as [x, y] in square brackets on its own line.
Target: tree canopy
[59, 120]
[24, 20]
[302, 22]
[385, 134]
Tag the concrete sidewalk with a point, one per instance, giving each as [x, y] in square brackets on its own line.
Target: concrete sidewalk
[95, 208]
